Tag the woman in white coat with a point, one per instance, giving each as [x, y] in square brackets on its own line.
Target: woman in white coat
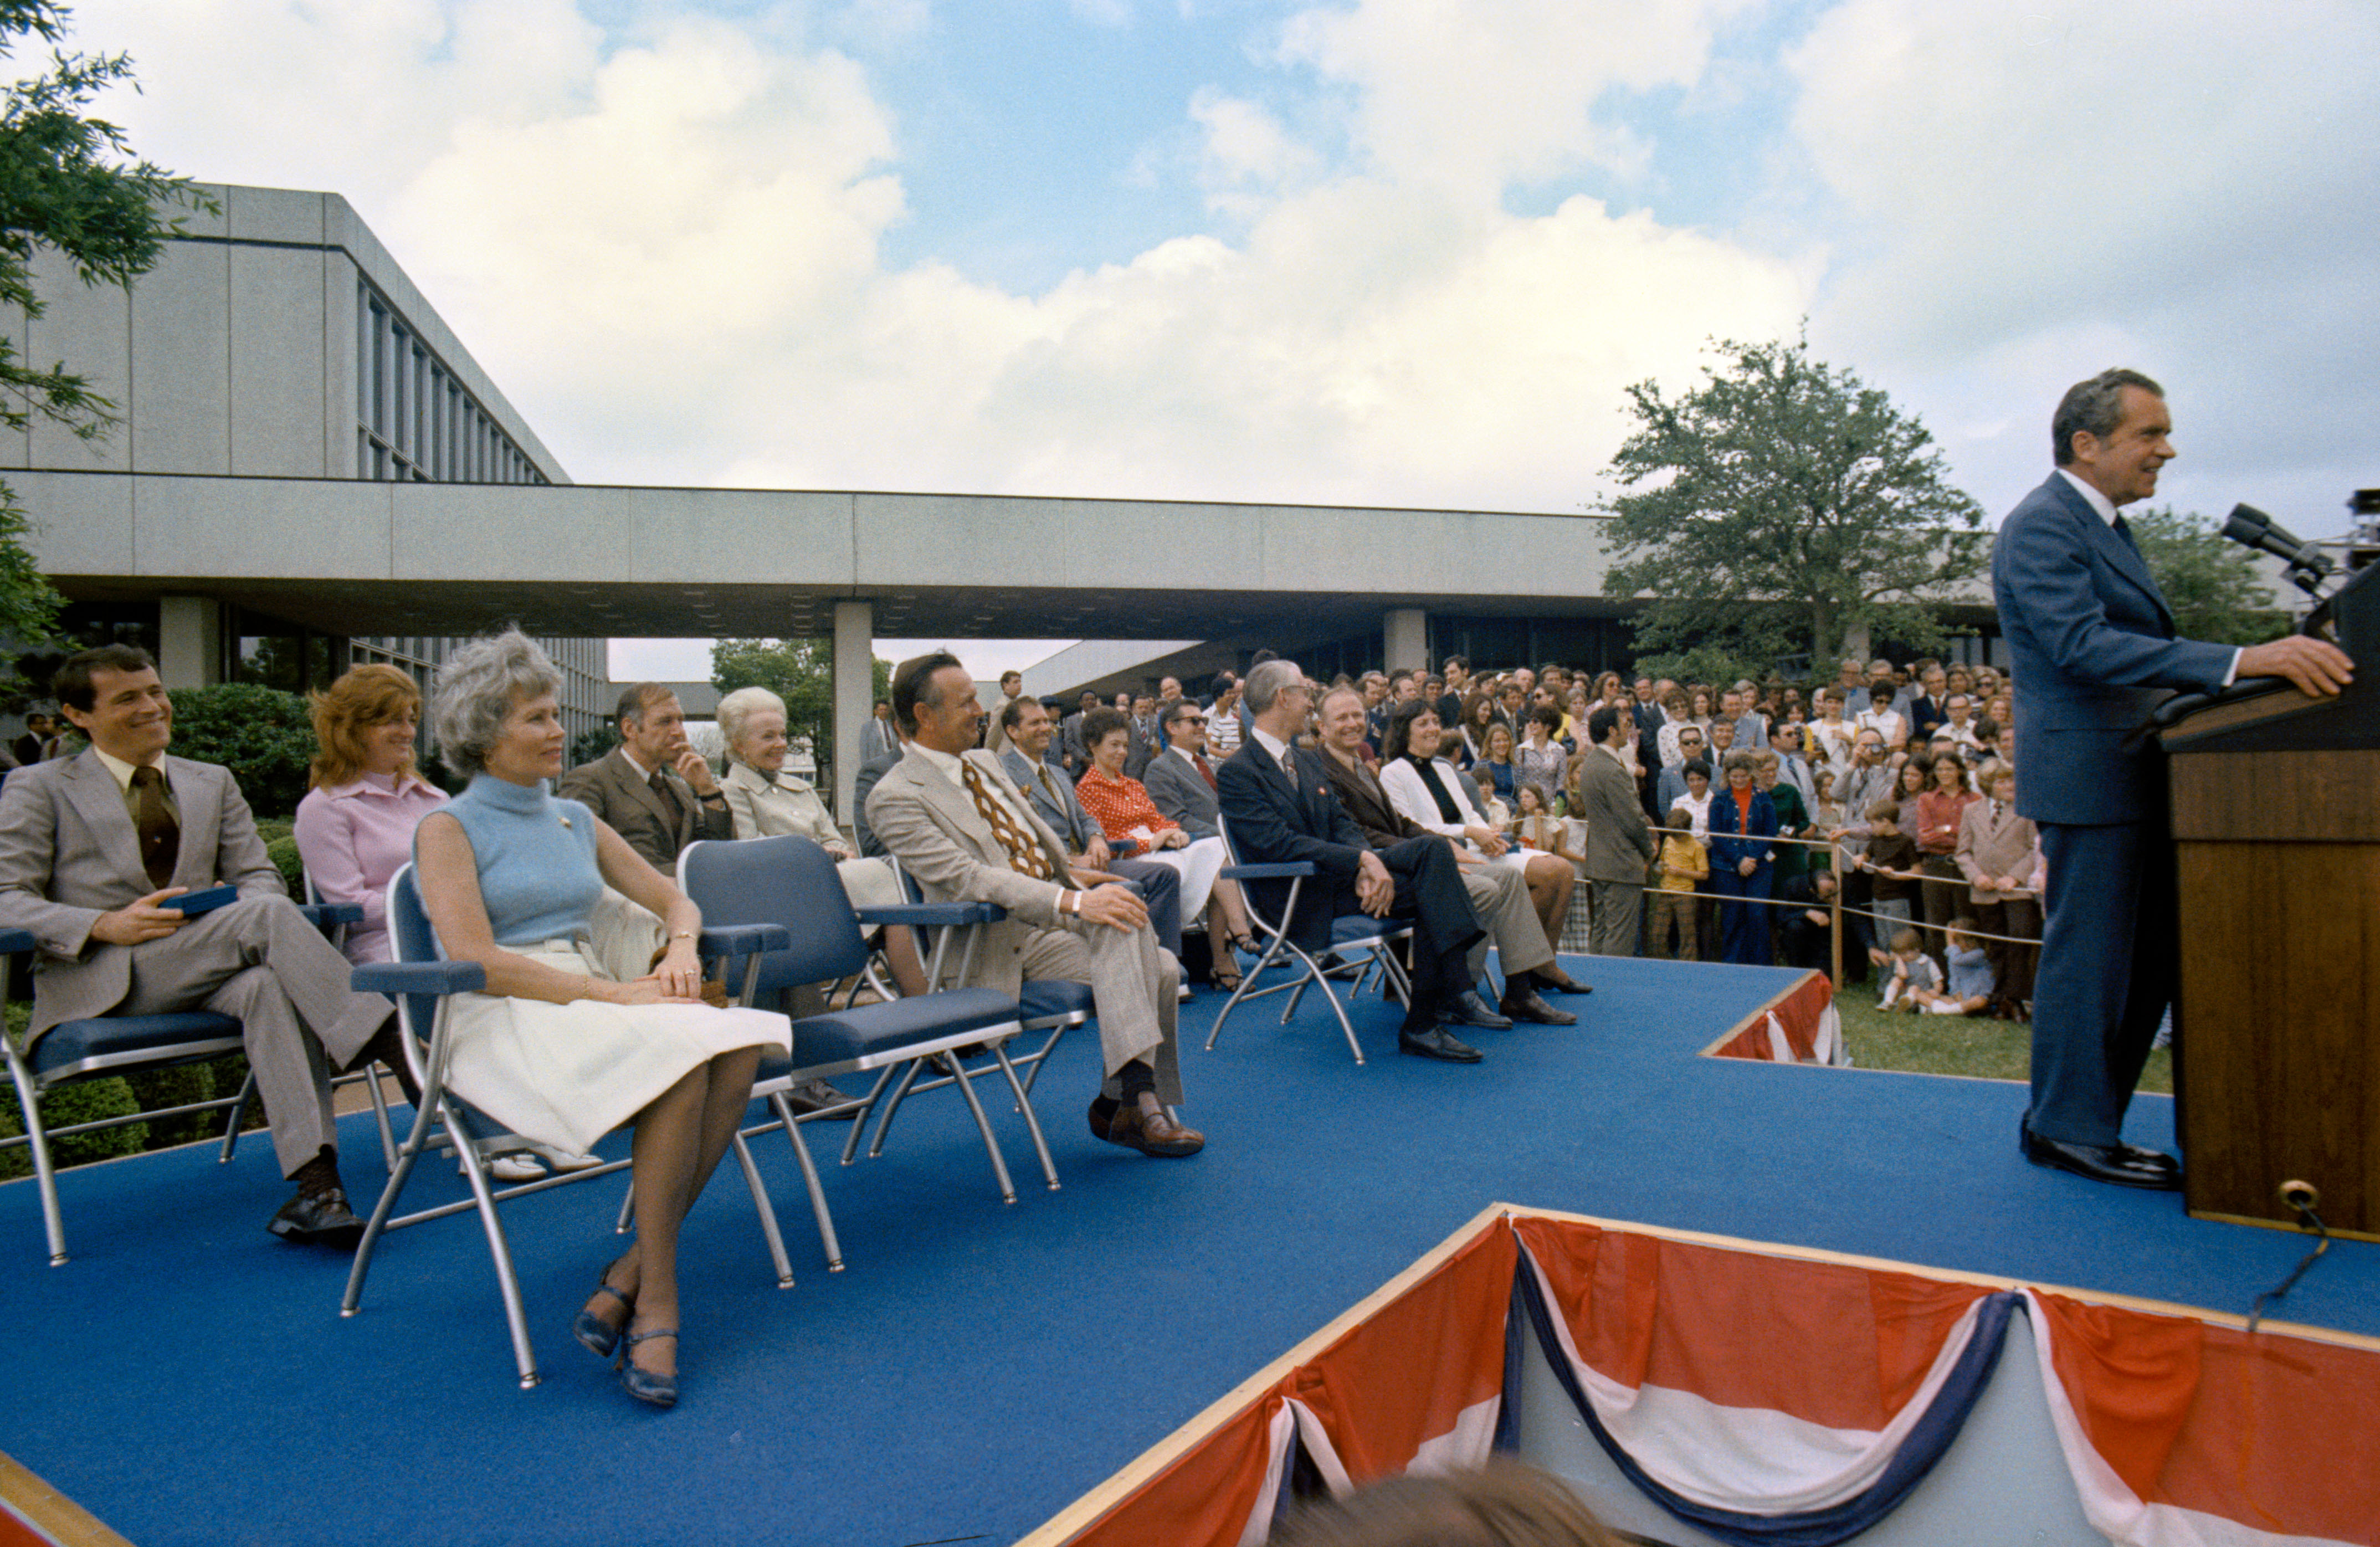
[768, 803]
[1423, 787]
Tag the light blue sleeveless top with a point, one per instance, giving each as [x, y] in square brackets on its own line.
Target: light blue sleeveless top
[537, 859]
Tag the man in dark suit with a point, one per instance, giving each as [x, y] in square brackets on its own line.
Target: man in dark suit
[1277, 801]
[2092, 641]
[653, 789]
[1072, 752]
[1029, 731]
[94, 850]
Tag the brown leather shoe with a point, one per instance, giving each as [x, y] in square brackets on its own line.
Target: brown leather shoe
[1160, 1136]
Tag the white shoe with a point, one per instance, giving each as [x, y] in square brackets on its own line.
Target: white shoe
[507, 1168]
[562, 1160]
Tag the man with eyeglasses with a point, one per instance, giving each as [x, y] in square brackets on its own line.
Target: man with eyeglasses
[1181, 779]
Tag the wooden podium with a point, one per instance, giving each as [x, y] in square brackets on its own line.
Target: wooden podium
[2275, 806]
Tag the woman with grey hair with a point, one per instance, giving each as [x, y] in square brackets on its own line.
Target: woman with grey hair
[554, 1049]
[768, 803]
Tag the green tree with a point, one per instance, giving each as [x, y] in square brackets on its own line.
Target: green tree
[2212, 586]
[1784, 505]
[64, 185]
[801, 672]
[264, 736]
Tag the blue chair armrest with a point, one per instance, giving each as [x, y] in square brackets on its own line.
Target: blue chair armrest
[1286, 869]
[418, 977]
[324, 916]
[14, 941]
[742, 940]
[934, 915]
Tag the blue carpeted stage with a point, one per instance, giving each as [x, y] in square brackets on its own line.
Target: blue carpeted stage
[188, 1380]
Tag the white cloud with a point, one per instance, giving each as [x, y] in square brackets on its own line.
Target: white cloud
[2026, 195]
[1470, 98]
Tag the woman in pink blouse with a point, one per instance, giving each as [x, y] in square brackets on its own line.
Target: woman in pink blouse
[355, 827]
[1135, 829]
[1939, 811]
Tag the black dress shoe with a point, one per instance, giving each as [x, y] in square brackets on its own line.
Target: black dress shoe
[2154, 1159]
[1468, 1009]
[318, 1219]
[2102, 1163]
[817, 1095]
[1436, 1043]
[1564, 984]
[1526, 1005]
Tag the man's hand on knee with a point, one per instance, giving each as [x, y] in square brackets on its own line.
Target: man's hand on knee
[138, 922]
[1114, 906]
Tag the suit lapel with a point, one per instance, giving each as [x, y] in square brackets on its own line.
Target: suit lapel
[2116, 550]
[624, 775]
[97, 796]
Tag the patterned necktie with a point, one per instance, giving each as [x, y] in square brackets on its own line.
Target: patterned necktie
[1025, 853]
[660, 787]
[161, 835]
[1206, 771]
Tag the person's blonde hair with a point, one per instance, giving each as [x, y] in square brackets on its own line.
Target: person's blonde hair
[362, 696]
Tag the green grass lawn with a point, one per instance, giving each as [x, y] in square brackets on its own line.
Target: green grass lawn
[1980, 1048]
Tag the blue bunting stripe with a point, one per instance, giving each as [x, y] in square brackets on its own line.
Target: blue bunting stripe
[1925, 1444]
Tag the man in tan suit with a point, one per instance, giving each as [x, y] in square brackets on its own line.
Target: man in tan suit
[1618, 840]
[94, 848]
[654, 790]
[956, 821]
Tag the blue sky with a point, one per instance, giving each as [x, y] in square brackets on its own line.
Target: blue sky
[1394, 252]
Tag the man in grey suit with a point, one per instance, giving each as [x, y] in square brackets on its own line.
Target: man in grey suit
[1179, 780]
[1618, 839]
[1054, 802]
[951, 813]
[653, 789]
[2091, 642]
[94, 848]
[1146, 739]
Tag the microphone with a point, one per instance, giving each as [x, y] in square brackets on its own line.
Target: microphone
[2251, 528]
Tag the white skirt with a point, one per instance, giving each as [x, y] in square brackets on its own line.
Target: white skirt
[1199, 862]
[566, 1075]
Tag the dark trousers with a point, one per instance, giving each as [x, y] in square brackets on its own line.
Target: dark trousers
[1743, 926]
[2110, 959]
[1943, 897]
[1431, 893]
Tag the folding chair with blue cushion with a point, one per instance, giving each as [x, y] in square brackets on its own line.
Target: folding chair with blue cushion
[1352, 934]
[1053, 1004]
[105, 1045]
[423, 982]
[790, 880]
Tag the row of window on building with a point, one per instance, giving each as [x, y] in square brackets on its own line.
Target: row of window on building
[417, 423]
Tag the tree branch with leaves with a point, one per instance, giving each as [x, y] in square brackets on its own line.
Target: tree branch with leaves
[1783, 506]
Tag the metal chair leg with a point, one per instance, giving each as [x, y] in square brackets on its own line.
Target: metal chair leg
[827, 1241]
[767, 1212]
[859, 1122]
[1032, 1124]
[238, 1115]
[892, 1107]
[990, 1144]
[45, 1176]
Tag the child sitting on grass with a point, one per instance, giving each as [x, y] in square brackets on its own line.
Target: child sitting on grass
[1915, 976]
[1971, 988]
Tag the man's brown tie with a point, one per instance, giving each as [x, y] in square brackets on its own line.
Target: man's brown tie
[161, 834]
[1205, 770]
[1025, 853]
[660, 787]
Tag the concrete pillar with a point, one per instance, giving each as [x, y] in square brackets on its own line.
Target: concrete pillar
[855, 698]
[1407, 639]
[190, 641]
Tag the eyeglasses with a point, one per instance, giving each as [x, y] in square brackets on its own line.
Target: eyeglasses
[1190, 720]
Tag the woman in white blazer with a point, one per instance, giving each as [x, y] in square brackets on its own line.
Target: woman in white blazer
[1424, 789]
[768, 803]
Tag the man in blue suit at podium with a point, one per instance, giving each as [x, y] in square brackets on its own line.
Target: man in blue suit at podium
[2092, 645]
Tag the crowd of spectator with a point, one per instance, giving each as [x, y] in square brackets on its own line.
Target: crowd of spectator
[1528, 809]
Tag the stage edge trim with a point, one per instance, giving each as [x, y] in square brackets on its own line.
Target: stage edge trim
[1084, 1512]
[1076, 1518]
[51, 1516]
